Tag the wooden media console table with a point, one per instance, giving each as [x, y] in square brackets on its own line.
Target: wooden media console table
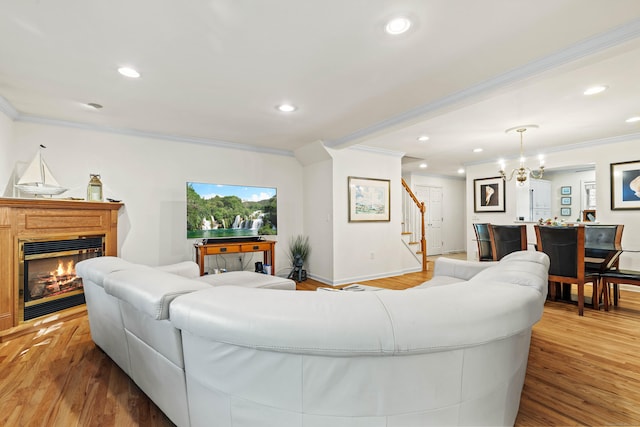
[266, 246]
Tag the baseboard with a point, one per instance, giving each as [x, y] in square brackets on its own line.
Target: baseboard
[630, 288]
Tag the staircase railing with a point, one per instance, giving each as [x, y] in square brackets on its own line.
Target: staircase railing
[411, 207]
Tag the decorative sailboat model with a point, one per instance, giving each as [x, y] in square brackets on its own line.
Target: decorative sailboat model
[38, 180]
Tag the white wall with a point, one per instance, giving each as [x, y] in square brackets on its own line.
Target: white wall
[453, 209]
[319, 220]
[366, 250]
[602, 155]
[149, 175]
[573, 179]
[6, 164]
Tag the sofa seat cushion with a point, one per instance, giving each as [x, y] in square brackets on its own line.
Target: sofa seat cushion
[248, 279]
[150, 290]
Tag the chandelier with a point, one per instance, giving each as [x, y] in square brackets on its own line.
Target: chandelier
[521, 173]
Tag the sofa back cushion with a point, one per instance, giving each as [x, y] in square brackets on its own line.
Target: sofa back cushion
[150, 290]
[96, 269]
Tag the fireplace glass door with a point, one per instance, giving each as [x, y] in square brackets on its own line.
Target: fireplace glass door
[48, 276]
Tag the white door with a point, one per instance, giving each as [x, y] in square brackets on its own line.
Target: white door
[432, 198]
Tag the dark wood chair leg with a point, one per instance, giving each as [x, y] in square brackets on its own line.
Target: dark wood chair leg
[595, 295]
[551, 292]
[580, 299]
[566, 291]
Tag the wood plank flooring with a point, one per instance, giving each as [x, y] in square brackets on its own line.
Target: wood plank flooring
[582, 371]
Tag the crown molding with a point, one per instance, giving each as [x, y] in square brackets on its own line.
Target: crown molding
[590, 46]
[460, 177]
[7, 108]
[578, 145]
[377, 150]
[154, 135]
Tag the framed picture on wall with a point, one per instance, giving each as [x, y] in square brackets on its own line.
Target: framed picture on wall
[565, 211]
[488, 194]
[565, 191]
[625, 185]
[565, 200]
[369, 199]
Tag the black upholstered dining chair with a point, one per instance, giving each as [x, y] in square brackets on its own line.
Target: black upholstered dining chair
[566, 250]
[484, 241]
[603, 247]
[506, 239]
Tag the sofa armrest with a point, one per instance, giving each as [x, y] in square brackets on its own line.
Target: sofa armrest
[188, 269]
[460, 269]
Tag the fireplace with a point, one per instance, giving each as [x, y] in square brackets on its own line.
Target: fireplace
[40, 220]
[47, 279]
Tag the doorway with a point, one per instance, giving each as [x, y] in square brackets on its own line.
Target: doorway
[432, 198]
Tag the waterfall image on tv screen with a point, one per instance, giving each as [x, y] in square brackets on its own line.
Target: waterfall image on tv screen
[216, 211]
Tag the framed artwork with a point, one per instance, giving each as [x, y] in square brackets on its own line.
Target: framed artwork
[565, 191]
[565, 200]
[589, 215]
[625, 185]
[369, 199]
[565, 211]
[488, 194]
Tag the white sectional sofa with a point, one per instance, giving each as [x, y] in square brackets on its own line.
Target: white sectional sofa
[128, 310]
[452, 351]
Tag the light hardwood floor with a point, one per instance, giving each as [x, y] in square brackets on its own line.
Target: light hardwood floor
[582, 371]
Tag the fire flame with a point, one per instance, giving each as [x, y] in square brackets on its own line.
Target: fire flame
[61, 271]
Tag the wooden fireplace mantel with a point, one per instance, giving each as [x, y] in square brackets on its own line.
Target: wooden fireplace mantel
[22, 219]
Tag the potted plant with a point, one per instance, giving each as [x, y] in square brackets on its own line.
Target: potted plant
[299, 250]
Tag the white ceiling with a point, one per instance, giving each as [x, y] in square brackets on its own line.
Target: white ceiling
[213, 71]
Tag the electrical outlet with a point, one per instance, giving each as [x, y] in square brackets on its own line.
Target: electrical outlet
[372, 255]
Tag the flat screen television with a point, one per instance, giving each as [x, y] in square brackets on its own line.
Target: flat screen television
[225, 212]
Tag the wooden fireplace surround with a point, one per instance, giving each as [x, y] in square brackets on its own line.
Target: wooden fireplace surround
[42, 219]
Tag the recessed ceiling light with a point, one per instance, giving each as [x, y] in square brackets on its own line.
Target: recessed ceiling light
[286, 108]
[129, 72]
[398, 26]
[477, 150]
[633, 119]
[595, 89]
[461, 170]
[423, 138]
[423, 165]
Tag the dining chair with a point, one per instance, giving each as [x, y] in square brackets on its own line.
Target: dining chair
[506, 239]
[603, 247]
[484, 241]
[565, 248]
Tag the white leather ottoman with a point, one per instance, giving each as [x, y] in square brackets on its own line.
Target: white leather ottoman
[248, 279]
